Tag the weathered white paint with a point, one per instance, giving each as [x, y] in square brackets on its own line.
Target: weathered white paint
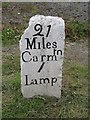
[49, 45]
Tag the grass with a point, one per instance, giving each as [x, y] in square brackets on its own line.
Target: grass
[74, 31]
[74, 98]
[5, 4]
[34, 10]
[10, 36]
[73, 102]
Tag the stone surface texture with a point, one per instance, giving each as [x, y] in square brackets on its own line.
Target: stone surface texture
[43, 66]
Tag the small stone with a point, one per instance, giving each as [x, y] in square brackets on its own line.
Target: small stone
[19, 13]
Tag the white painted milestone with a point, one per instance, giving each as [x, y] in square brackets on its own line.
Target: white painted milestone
[42, 54]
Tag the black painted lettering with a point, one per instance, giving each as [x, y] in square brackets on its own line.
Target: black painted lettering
[49, 27]
[48, 45]
[38, 28]
[44, 80]
[51, 58]
[43, 42]
[26, 80]
[54, 51]
[35, 58]
[59, 52]
[42, 58]
[33, 82]
[41, 67]
[23, 58]
[53, 81]
[32, 44]
[54, 45]
[39, 45]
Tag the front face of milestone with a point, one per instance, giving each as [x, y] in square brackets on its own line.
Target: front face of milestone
[42, 52]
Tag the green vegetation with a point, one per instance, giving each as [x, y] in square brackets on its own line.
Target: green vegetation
[34, 10]
[5, 4]
[73, 102]
[74, 32]
[74, 98]
[10, 36]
